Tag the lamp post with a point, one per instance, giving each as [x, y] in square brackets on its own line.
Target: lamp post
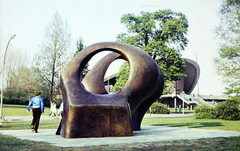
[183, 100]
[3, 72]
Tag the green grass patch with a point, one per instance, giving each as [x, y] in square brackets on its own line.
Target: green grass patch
[26, 125]
[211, 124]
[8, 140]
[19, 110]
[13, 143]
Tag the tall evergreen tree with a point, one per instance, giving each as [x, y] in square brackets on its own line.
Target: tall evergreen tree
[80, 47]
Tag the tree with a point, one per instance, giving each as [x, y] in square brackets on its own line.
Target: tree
[53, 54]
[15, 63]
[31, 82]
[121, 77]
[80, 47]
[162, 35]
[21, 81]
[228, 60]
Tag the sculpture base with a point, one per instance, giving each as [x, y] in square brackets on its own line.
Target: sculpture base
[96, 121]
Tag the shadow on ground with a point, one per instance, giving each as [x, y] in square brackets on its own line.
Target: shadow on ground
[191, 125]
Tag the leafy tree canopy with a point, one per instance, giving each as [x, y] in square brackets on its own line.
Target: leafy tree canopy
[80, 47]
[228, 61]
[121, 77]
[162, 34]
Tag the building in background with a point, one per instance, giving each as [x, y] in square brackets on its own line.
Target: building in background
[181, 91]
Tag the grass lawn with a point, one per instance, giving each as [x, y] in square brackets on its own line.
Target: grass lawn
[19, 110]
[211, 124]
[12, 143]
[26, 125]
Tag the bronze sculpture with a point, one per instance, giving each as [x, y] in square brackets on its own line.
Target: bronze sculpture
[89, 111]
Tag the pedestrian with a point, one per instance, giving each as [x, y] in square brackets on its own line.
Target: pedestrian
[54, 109]
[51, 103]
[60, 110]
[37, 109]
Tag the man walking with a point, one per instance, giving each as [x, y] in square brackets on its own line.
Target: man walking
[37, 109]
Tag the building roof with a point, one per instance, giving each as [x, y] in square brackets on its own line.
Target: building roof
[186, 84]
[193, 72]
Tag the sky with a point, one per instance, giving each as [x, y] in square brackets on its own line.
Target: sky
[99, 20]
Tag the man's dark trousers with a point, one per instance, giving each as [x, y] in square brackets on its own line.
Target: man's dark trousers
[36, 117]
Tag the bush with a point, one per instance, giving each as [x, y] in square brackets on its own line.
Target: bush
[228, 110]
[14, 101]
[204, 112]
[159, 108]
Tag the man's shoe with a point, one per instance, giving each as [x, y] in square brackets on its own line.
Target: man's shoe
[36, 131]
[32, 128]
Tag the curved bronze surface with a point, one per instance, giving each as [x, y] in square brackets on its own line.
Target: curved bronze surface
[90, 113]
[95, 81]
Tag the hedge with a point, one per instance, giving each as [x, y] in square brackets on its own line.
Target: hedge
[227, 110]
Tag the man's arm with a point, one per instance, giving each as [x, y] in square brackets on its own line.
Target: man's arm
[29, 105]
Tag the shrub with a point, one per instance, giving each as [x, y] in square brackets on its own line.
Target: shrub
[159, 108]
[204, 111]
[228, 110]
[14, 101]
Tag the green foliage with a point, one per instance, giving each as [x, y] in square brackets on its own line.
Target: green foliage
[171, 67]
[14, 101]
[228, 61]
[121, 77]
[23, 86]
[80, 47]
[159, 108]
[162, 35]
[228, 110]
[204, 112]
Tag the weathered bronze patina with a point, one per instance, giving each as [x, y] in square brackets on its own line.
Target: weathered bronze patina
[89, 111]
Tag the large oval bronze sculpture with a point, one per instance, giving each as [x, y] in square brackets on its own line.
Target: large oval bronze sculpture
[89, 111]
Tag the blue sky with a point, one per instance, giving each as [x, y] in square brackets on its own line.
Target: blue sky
[99, 20]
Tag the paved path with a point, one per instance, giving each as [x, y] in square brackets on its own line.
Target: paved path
[173, 115]
[147, 134]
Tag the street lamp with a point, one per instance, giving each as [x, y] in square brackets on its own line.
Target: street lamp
[3, 72]
[183, 100]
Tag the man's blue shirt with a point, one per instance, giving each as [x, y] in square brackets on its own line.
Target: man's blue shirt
[36, 102]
